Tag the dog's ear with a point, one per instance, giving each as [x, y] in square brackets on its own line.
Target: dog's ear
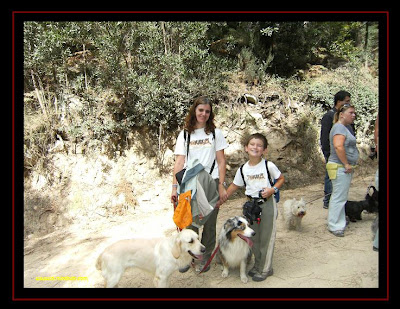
[176, 249]
[228, 224]
[228, 227]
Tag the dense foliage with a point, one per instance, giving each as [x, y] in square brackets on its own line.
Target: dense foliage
[96, 81]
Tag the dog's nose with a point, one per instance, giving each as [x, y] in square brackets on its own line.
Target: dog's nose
[203, 249]
[254, 233]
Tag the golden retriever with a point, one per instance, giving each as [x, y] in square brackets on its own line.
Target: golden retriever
[159, 256]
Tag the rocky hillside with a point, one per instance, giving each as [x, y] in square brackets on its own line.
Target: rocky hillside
[79, 184]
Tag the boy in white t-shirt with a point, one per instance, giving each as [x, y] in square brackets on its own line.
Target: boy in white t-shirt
[258, 187]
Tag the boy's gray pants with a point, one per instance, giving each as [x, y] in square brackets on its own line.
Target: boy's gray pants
[264, 240]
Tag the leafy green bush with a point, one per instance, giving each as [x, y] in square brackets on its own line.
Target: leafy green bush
[131, 75]
[151, 69]
[362, 87]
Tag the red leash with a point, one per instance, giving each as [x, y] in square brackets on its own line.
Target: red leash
[210, 259]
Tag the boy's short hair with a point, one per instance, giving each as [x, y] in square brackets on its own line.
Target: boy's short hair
[257, 136]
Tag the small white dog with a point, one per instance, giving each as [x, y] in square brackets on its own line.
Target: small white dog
[293, 213]
[159, 256]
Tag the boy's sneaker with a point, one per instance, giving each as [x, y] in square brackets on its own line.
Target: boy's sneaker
[253, 271]
[262, 276]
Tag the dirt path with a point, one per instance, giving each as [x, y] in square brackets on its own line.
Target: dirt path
[307, 259]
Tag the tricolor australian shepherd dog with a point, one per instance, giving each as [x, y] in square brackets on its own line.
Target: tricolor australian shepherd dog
[234, 245]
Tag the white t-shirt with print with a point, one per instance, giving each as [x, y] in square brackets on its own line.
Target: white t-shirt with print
[256, 177]
[202, 147]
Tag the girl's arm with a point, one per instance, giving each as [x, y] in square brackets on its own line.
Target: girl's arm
[222, 171]
[179, 162]
[338, 143]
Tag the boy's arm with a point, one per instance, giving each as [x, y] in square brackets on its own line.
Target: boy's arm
[231, 189]
[267, 192]
[279, 181]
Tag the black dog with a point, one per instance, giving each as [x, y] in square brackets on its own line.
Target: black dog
[373, 200]
[370, 204]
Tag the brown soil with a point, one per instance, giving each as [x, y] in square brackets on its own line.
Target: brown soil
[311, 258]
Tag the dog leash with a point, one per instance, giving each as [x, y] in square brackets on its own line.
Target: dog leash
[210, 259]
[317, 198]
[369, 187]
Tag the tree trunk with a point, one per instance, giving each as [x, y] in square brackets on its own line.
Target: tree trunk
[39, 96]
[84, 66]
[366, 45]
[164, 37]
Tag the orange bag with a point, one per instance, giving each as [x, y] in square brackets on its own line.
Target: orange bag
[183, 212]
